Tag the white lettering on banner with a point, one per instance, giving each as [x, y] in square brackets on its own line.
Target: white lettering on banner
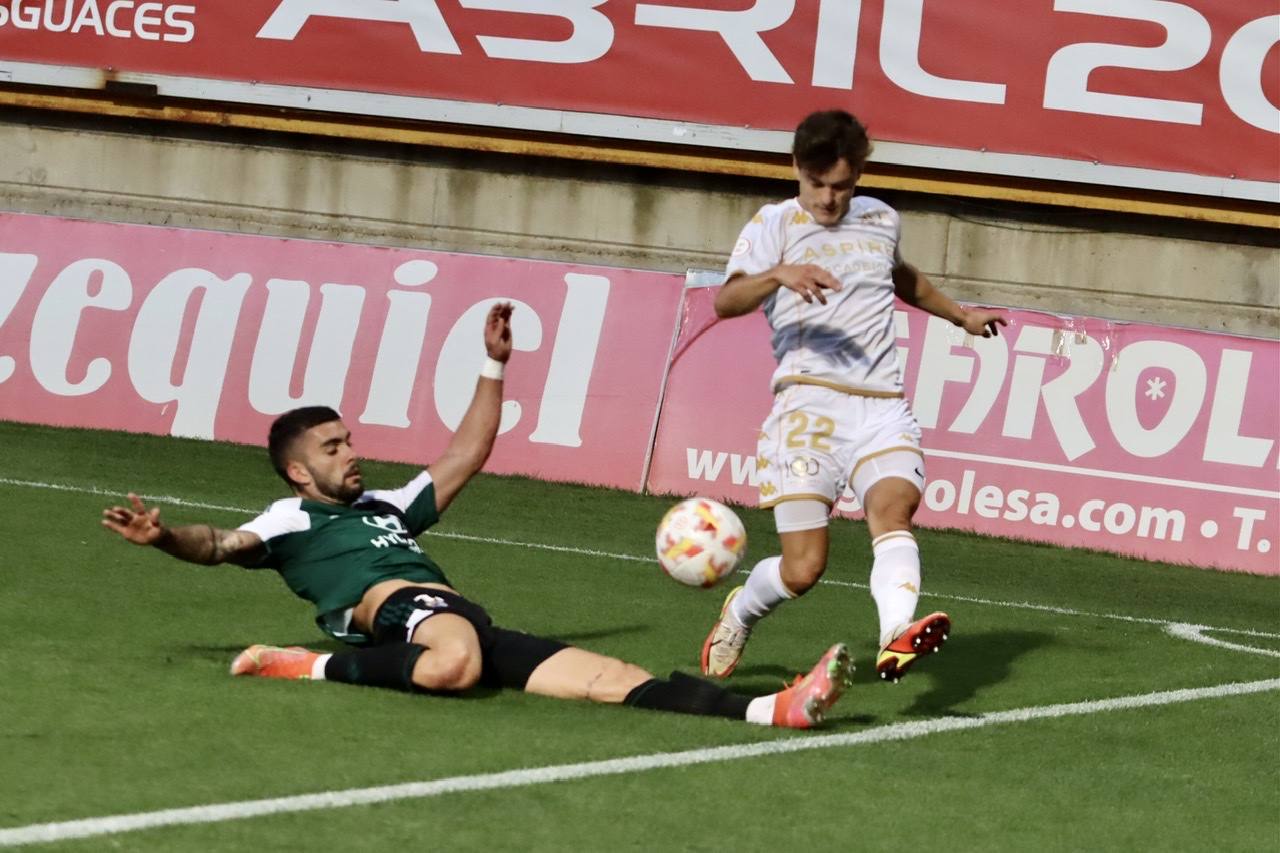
[740, 30]
[57, 318]
[835, 53]
[900, 58]
[279, 345]
[591, 39]
[993, 364]
[460, 361]
[1095, 515]
[153, 21]
[707, 465]
[1083, 366]
[153, 345]
[395, 370]
[564, 397]
[112, 11]
[1247, 517]
[943, 366]
[1189, 38]
[15, 275]
[422, 17]
[1223, 441]
[1240, 73]
[1184, 405]
[1067, 77]
[592, 31]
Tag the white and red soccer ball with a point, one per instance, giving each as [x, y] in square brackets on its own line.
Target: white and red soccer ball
[700, 541]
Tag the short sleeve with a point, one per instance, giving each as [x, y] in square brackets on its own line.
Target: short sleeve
[416, 500]
[281, 518]
[759, 246]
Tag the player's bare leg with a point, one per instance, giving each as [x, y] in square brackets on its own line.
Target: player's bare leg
[895, 579]
[444, 657]
[773, 580]
[574, 673]
[451, 660]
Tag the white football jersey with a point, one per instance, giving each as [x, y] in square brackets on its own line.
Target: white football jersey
[848, 344]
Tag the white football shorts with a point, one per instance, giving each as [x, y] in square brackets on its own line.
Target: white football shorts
[818, 440]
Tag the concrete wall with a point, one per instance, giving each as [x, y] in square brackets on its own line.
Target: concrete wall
[1123, 267]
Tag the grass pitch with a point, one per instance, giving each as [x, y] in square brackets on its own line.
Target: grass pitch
[116, 699]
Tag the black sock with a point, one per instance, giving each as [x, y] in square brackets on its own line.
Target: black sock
[685, 694]
[388, 665]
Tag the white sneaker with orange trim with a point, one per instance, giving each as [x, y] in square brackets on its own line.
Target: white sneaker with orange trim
[723, 647]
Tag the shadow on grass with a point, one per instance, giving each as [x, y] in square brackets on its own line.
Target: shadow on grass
[576, 637]
[967, 664]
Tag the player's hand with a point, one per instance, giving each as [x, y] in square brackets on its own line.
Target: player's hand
[137, 524]
[807, 280]
[497, 332]
[984, 323]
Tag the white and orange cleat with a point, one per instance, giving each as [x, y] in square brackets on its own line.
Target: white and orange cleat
[275, 662]
[919, 638]
[723, 647]
[805, 703]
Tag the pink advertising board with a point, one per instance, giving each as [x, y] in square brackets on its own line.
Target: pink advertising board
[1152, 441]
[195, 333]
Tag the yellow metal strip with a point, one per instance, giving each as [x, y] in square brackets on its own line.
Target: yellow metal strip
[748, 164]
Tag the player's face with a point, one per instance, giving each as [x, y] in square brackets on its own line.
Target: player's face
[330, 470]
[826, 195]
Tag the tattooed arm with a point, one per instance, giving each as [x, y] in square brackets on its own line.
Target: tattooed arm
[195, 543]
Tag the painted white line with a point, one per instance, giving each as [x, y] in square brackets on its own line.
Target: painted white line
[1196, 634]
[116, 824]
[1107, 475]
[1063, 611]
[539, 546]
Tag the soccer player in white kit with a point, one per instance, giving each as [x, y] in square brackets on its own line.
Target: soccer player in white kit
[825, 268]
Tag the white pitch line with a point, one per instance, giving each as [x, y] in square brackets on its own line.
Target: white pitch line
[221, 812]
[1195, 633]
[565, 549]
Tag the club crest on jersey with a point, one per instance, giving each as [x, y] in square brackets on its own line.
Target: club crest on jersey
[742, 247]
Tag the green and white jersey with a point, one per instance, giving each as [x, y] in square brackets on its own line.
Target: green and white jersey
[330, 554]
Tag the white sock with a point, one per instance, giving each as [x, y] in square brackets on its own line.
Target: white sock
[895, 580]
[763, 592]
[317, 667]
[760, 711]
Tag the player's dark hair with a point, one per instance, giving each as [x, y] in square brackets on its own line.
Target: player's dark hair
[288, 427]
[825, 137]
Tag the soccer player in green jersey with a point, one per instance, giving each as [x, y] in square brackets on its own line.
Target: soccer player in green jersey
[352, 553]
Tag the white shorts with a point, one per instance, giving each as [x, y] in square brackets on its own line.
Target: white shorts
[818, 440]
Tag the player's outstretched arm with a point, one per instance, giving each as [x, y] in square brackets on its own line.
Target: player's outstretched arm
[195, 543]
[471, 444]
[742, 294]
[914, 288]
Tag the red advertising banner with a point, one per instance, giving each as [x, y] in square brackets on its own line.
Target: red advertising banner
[1075, 431]
[1146, 440]
[194, 333]
[1166, 94]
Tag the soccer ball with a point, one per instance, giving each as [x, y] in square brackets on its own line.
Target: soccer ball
[700, 541]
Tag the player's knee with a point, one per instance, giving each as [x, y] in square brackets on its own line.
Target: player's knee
[892, 504]
[615, 680]
[801, 571]
[448, 666]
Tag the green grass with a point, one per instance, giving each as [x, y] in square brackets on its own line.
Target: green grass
[115, 698]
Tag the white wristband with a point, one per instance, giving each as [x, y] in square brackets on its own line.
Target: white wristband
[492, 369]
